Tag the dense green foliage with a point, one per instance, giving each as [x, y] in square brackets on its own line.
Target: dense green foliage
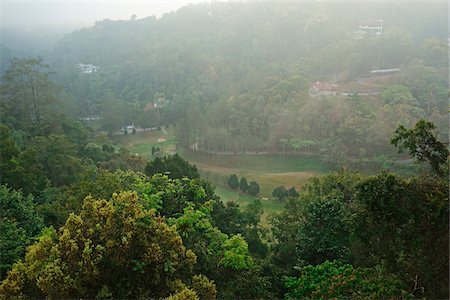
[383, 220]
[233, 181]
[111, 249]
[403, 224]
[174, 166]
[19, 223]
[337, 280]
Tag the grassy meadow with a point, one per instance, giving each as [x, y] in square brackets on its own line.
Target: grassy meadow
[142, 142]
[270, 171]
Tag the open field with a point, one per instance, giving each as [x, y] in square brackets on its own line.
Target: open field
[262, 163]
[270, 171]
[142, 142]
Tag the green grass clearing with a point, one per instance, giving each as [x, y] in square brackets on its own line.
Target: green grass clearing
[270, 171]
[260, 163]
[141, 143]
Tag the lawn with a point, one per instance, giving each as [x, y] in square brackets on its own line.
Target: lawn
[262, 163]
[141, 143]
[270, 171]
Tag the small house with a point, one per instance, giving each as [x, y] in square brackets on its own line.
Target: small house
[372, 27]
[323, 89]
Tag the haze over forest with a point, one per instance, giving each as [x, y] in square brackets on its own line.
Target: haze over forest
[230, 150]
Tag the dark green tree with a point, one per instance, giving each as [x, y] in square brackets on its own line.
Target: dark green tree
[19, 223]
[232, 219]
[59, 158]
[233, 181]
[293, 192]
[280, 192]
[316, 226]
[243, 185]
[253, 188]
[403, 224]
[174, 166]
[324, 233]
[335, 280]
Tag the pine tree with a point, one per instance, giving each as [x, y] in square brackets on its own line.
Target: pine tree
[233, 181]
[243, 185]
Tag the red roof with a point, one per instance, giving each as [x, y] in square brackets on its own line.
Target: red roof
[324, 86]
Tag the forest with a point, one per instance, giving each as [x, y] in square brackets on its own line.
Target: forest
[227, 150]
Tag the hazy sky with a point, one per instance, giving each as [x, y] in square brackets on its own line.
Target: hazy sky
[79, 13]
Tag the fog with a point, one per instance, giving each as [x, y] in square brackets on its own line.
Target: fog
[35, 26]
[69, 15]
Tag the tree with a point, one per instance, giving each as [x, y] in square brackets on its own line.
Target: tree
[27, 93]
[316, 226]
[253, 188]
[27, 173]
[94, 152]
[9, 151]
[423, 144]
[231, 219]
[174, 166]
[280, 192]
[215, 249]
[292, 192]
[335, 280]
[19, 223]
[398, 94]
[243, 185]
[112, 116]
[112, 248]
[59, 158]
[324, 233]
[236, 255]
[193, 123]
[402, 223]
[233, 181]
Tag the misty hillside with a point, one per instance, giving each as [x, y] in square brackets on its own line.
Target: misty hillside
[227, 61]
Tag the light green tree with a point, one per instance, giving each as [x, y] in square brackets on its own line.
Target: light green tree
[112, 248]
